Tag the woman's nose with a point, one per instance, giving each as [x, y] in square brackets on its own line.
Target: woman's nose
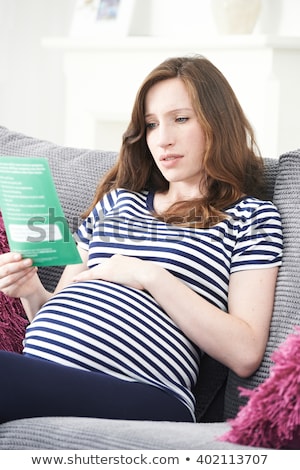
[165, 136]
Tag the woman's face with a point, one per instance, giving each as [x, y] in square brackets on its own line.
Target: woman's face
[173, 132]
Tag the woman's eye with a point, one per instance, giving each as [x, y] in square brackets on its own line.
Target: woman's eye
[150, 125]
[181, 119]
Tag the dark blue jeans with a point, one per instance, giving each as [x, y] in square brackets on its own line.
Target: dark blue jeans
[34, 387]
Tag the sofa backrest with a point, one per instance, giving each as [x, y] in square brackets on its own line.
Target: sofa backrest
[76, 173]
[286, 313]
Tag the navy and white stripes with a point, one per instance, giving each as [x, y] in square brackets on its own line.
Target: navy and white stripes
[122, 331]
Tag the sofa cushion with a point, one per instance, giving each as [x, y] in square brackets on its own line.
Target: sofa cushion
[91, 433]
[286, 312]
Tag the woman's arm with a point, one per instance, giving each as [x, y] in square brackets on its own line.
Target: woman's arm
[72, 270]
[237, 339]
[18, 278]
[34, 302]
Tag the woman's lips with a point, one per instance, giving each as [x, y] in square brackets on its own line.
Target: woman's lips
[170, 159]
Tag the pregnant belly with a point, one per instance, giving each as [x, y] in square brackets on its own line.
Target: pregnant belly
[101, 326]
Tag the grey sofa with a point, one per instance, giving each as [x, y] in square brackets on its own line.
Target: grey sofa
[76, 173]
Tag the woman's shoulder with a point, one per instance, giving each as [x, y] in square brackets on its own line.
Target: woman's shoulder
[250, 208]
[252, 204]
[120, 196]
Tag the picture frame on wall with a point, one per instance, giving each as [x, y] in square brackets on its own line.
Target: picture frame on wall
[94, 18]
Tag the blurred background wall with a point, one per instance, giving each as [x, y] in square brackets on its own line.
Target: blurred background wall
[32, 85]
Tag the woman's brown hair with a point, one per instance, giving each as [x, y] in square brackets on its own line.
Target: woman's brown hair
[232, 166]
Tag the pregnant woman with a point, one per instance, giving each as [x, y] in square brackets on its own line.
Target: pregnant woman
[179, 257]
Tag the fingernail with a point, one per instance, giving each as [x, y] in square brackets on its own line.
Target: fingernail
[27, 262]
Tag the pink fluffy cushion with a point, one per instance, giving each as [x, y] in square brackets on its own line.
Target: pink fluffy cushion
[12, 316]
[271, 417]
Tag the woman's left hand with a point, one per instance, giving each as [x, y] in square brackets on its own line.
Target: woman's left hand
[125, 270]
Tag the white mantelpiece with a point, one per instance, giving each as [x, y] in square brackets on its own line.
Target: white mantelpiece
[102, 77]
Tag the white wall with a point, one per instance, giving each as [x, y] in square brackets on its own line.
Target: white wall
[31, 77]
[192, 17]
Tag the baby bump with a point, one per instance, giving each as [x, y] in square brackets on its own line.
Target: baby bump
[101, 326]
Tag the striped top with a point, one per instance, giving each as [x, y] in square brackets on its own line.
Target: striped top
[122, 331]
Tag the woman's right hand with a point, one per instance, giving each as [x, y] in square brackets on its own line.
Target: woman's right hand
[18, 278]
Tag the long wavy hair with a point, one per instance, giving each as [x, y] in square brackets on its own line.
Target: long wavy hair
[232, 165]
